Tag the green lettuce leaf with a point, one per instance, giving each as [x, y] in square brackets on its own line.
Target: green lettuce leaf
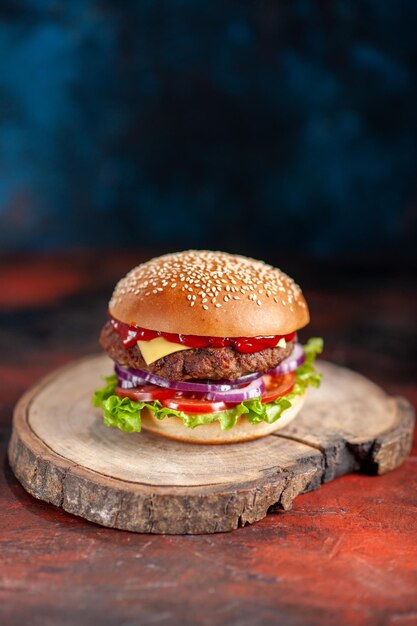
[100, 395]
[125, 414]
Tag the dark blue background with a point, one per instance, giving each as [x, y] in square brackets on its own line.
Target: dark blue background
[248, 126]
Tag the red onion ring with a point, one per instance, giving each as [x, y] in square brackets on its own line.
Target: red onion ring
[127, 380]
[254, 390]
[125, 384]
[211, 391]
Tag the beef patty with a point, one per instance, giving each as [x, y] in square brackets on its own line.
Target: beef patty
[205, 363]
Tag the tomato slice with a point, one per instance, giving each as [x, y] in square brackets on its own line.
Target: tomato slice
[147, 393]
[194, 405]
[277, 386]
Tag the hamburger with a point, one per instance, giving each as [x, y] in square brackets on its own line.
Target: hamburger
[205, 349]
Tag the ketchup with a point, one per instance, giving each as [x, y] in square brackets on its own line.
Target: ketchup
[131, 334]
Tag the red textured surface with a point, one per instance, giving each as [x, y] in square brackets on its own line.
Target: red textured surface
[346, 554]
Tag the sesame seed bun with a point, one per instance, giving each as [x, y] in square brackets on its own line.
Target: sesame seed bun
[173, 428]
[209, 293]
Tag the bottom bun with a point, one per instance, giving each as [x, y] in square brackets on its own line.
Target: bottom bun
[173, 428]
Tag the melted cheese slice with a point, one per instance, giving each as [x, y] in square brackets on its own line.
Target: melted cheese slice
[281, 343]
[158, 348]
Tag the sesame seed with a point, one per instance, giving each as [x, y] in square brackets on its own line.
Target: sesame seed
[205, 307]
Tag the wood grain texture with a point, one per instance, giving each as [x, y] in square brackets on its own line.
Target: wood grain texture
[61, 453]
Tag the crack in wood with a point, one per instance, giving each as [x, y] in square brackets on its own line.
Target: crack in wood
[119, 510]
[65, 474]
[150, 513]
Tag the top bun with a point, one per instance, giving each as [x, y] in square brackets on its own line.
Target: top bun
[198, 292]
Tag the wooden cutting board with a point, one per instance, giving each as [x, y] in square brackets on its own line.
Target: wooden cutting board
[61, 453]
